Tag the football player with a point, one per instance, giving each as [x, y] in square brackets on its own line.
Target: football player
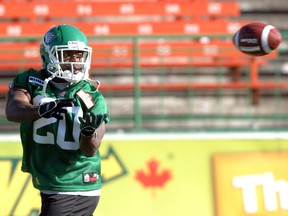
[62, 118]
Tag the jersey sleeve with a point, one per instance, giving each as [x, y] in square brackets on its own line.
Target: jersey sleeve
[20, 81]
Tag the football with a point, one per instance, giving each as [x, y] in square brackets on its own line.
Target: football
[257, 39]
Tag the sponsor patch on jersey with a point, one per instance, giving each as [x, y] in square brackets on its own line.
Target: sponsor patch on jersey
[90, 177]
[36, 80]
[86, 99]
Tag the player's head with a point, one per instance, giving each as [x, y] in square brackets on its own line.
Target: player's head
[65, 53]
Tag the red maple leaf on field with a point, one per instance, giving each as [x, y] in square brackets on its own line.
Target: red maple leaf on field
[154, 177]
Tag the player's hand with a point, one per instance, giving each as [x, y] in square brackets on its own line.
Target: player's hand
[55, 108]
[90, 123]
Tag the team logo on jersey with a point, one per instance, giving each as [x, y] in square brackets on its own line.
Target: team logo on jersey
[86, 98]
[90, 177]
[36, 80]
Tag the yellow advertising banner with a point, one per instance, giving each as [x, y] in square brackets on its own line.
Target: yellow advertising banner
[148, 175]
[251, 183]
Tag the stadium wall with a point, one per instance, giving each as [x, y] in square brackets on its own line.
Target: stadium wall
[207, 174]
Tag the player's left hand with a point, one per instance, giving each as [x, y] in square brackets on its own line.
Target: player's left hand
[91, 123]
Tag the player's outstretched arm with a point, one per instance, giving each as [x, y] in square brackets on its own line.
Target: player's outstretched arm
[89, 145]
[18, 107]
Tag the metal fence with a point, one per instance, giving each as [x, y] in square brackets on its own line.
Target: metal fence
[176, 83]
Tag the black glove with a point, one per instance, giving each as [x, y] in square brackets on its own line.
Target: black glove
[91, 123]
[55, 108]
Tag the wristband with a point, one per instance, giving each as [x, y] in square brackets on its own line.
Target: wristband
[88, 131]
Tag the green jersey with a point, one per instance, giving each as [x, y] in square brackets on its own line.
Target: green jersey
[51, 146]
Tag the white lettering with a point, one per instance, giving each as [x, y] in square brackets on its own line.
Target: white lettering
[101, 30]
[14, 30]
[84, 9]
[126, 9]
[2, 10]
[248, 185]
[145, 29]
[172, 9]
[214, 8]
[233, 27]
[164, 50]
[31, 52]
[191, 28]
[270, 187]
[41, 9]
[120, 50]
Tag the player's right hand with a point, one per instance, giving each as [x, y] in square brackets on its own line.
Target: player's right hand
[55, 108]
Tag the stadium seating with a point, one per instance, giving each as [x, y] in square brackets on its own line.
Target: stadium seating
[56, 9]
[187, 22]
[16, 30]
